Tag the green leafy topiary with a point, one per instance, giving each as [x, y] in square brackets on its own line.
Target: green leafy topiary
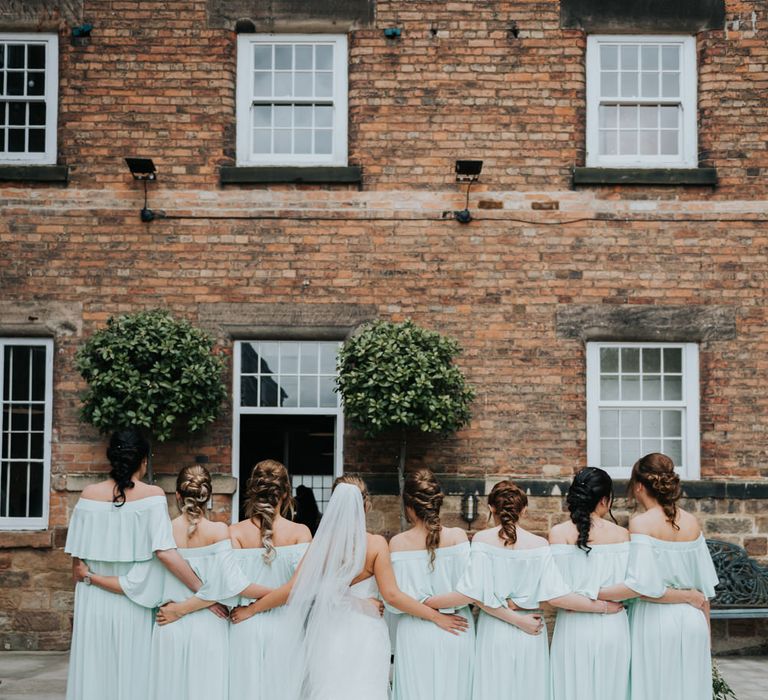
[399, 376]
[720, 688]
[152, 371]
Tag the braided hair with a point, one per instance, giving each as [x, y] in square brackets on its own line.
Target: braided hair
[656, 472]
[127, 450]
[194, 489]
[422, 493]
[268, 489]
[508, 501]
[590, 486]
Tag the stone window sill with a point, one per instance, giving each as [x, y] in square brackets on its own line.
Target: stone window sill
[270, 175]
[34, 173]
[645, 176]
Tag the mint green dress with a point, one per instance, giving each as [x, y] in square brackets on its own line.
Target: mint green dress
[590, 652]
[671, 655]
[250, 674]
[189, 657]
[505, 656]
[431, 664]
[111, 634]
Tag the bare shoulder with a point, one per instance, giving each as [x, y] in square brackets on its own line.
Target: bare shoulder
[302, 533]
[97, 492]
[617, 532]
[451, 536]
[152, 490]
[376, 543]
[400, 542]
[488, 536]
[562, 533]
[688, 524]
[219, 531]
[641, 524]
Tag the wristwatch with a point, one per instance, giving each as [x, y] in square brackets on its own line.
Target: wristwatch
[87, 579]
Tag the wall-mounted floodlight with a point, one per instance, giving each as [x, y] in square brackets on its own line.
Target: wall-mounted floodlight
[143, 169]
[467, 171]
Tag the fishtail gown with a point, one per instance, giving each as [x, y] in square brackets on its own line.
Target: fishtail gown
[506, 657]
[430, 663]
[189, 657]
[671, 656]
[111, 634]
[590, 652]
[250, 674]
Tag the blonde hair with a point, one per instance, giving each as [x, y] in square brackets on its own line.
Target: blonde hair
[355, 480]
[268, 489]
[195, 489]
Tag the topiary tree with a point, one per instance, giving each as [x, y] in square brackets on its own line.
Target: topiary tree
[152, 371]
[401, 377]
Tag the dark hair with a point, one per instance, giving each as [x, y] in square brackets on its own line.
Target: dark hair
[195, 489]
[508, 501]
[268, 488]
[422, 493]
[127, 450]
[656, 472]
[590, 486]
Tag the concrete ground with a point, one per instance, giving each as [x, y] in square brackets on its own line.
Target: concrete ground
[43, 675]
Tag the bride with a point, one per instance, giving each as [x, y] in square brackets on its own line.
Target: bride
[340, 642]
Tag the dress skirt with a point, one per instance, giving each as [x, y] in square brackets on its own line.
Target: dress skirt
[671, 655]
[590, 657]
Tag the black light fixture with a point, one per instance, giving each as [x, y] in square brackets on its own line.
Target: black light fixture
[467, 171]
[143, 169]
[469, 507]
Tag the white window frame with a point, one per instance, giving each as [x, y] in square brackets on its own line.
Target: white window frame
[39, 523]
[245, 100]
[689, 156]
[51, 99]
[691, 446]
[238, 411]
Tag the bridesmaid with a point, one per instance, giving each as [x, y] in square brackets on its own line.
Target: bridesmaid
[199, 641]
[428, 560]
[508, 564]
[268, 548]
[590, 653]
[116, 523]
[671, 655]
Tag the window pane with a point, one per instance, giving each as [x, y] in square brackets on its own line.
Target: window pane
[649, 85]
[609, 57]
[36, 56]
[283, 116]
[17, 505]
[609, 453]
[309, 358]
[673, 360]
[669, 117]
[36, 445]
[629, 85]
[262, 84]
[269, 391]
[630, 424]
[629, 58]
[2, 110]
[308, 392]
[669, 145]
[262, 56]
[670, 84]
[649, 143]
[651, 360]
[650, 57]
[631, 451]
[324, 141]
[37, 113]
[609, 143]
[262, 141]
[284, 57]
[670, 57]
[323, 116]
[609, 359]
[283, 141]
[289, 392]
[17, 417]
[609, 84]
[17, 113]
[651, 388]
[651, 424]
[649, 116]
[249, 391]
[651, 446]
[673, 388]
[324, 84]
[37, 418]
[2, 139]
[289, 358]
[283, 84]
[16, 140]
[38, 373]
[609, 423]
[20, 389]
[36, 140]
[262, 115]
[19, 446]
[608, 116]
[630, 359]
[35, 83]
[324, 58]
[327, 393]
[328, 353]
[269, 357]
[302, 115]
[630, 388]
[303, 85]
[16, 55]
[628, 117]
[609, 388]
[14, 83]
[35, 490]
[673, 423]
[304, 57]
[674, 450]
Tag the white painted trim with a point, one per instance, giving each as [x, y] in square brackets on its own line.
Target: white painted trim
[689, 157]
[244, 100]
[690, 403]
[40, 523]
[238, 411]
[51, 99]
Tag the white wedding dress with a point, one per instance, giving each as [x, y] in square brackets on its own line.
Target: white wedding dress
[340, 647]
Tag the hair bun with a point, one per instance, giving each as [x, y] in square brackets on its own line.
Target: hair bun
[657, 473]
[126, 451]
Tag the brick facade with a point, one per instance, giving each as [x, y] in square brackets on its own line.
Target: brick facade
[500, 81]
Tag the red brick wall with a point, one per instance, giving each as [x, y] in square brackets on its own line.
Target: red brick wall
[155, 81]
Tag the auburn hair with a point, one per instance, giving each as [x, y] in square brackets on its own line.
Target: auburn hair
[656, 472]
[267, 492]
[423, 495]
[508, 501]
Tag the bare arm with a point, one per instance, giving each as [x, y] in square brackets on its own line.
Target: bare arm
[390, 591]
[530, 624]
[580, 603]
[180, 568]
[676, 596]
[274, 599]
[170, 612]
[448, 600]
[617, 592]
